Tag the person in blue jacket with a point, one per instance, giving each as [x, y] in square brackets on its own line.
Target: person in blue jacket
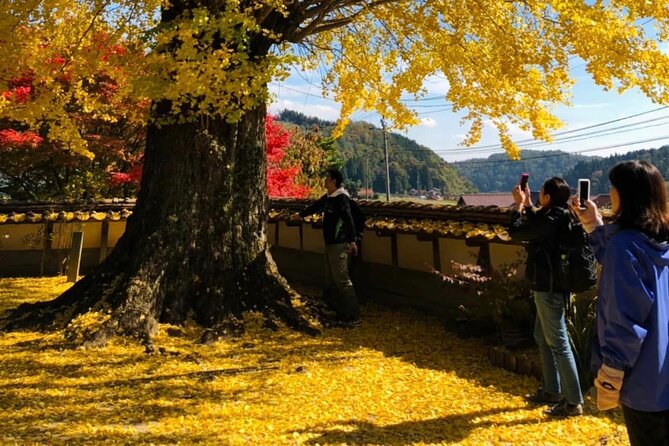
[540, 228]
[632, 348]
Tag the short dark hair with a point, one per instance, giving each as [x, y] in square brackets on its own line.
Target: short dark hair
[336, 175]
[643, 198]
[559, 191]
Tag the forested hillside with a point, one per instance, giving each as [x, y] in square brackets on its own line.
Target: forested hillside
[415, 166]
[411, 165]
[499, 174]
[597, 170]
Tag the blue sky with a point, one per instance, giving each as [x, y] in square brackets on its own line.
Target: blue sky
[441, 132]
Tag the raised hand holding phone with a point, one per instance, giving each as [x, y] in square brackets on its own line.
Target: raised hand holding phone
[523, 180]
[583, 192]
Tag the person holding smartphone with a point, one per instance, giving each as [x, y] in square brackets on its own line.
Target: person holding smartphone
[540, 229]
[632, 349]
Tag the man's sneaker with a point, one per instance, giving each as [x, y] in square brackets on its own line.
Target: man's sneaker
[542, 397]
[563, 409]
[342, 324]
[351, 323]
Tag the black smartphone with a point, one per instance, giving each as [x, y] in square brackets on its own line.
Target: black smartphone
[583, 191]
[523, 180]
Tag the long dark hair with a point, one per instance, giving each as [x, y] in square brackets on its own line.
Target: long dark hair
[643, 198]
[558, 189]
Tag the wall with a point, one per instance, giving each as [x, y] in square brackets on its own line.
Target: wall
[25, 251]
[393, 267]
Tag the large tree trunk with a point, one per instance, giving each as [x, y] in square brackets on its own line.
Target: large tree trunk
[195, 243]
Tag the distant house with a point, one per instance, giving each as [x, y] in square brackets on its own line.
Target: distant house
[501, 199]
[365, 193]
[434, 194]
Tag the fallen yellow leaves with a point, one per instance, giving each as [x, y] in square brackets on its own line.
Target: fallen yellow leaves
[399, 379]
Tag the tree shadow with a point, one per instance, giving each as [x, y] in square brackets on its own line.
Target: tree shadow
[451, 428]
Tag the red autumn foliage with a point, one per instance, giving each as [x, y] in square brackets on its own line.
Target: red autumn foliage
[281, 180]
[134, 175]
[278, 139]
[10, 138]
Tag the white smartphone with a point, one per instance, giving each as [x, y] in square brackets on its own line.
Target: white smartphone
[583, 191]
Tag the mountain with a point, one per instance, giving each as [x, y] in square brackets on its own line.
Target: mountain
[411, 165]
[498, 173]
[597, 170]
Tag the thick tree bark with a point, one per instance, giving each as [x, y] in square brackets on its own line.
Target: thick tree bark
[194, 245]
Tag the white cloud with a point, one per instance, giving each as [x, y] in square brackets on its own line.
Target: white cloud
[326, 112]
[428, 122]
[437, 85]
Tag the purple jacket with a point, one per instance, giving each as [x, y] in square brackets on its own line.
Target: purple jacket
[633, 314]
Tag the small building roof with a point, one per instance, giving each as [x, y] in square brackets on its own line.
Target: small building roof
[499, 199]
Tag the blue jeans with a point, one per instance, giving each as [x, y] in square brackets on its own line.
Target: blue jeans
[558, 366]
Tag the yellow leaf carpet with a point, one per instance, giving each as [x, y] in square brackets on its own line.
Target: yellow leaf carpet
[399, 379]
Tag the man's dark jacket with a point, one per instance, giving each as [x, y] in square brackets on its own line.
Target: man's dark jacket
[338, 226]
[541, 229]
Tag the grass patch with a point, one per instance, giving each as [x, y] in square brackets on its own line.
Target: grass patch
[399, 379]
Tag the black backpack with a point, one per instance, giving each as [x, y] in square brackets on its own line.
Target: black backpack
[358, 219]
[577, 267]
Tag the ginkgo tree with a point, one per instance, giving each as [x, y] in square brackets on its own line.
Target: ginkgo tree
[196, 242]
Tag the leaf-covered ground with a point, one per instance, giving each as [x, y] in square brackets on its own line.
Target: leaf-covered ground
[399, 379]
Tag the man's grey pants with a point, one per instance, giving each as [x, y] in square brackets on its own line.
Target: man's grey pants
[343, 298]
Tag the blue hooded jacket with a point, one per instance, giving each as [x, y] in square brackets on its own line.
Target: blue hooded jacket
[633, 314]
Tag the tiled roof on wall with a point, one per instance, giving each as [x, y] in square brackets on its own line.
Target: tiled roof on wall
[482, 222]
[13, 212]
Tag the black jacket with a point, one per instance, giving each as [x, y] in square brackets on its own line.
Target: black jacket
[338, 226]
[541, 230]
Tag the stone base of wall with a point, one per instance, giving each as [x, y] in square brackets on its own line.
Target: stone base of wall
[520, 363]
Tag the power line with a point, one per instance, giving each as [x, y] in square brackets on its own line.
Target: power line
[432, 98]
[633, 127]
[608, 132]
[566, 132]
[580, 152]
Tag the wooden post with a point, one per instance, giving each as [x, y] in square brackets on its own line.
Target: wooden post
[436, 254]
[74, 259]
[46, 250]
[393, 250]
[104, 239]
[301, 229]
[484, 260]
[434, 240]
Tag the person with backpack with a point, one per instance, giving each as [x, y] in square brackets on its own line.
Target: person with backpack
[541, 229]
[631, 353]
[341, 241]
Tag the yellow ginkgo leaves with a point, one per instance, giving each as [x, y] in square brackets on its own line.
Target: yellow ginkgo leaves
[400, 378]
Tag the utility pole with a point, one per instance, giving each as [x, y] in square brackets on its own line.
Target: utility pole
[385, 155]
[367, 176]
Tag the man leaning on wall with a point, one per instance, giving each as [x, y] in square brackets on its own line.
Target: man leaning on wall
[339, 235]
